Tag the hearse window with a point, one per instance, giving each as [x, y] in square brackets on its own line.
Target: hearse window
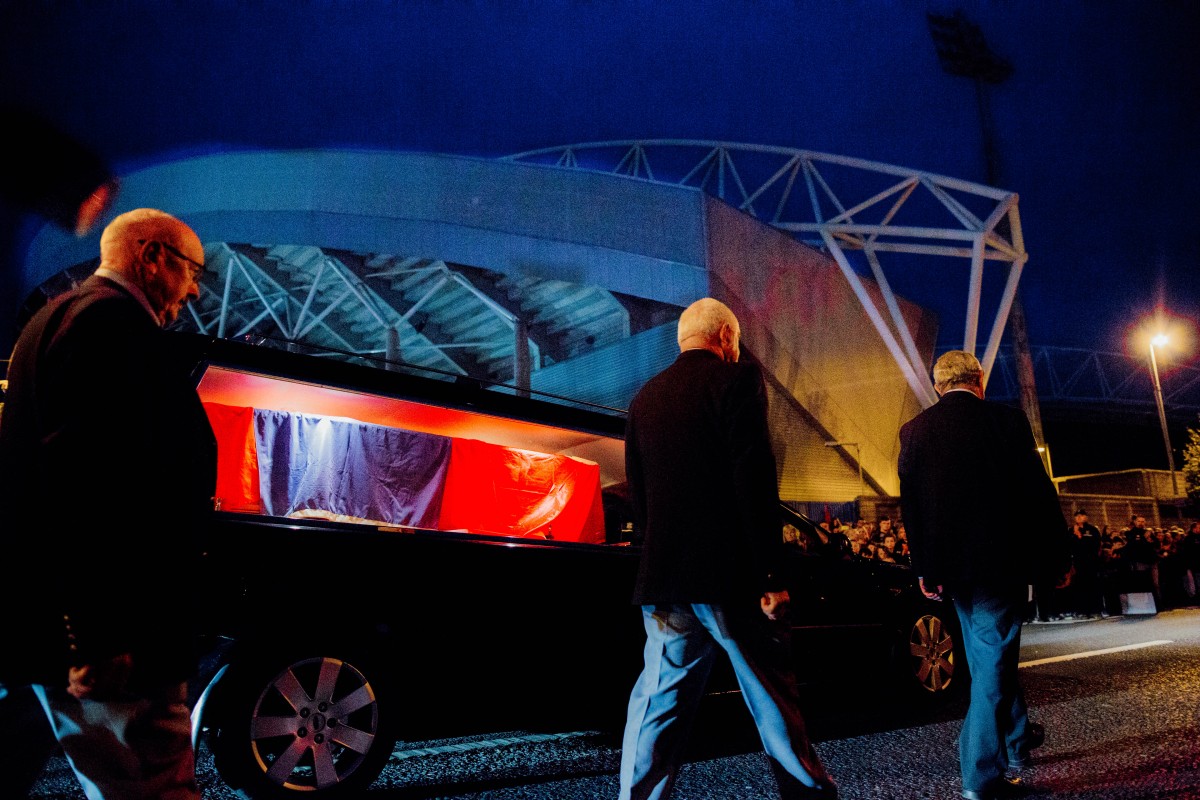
[811, 540]
[296, 449]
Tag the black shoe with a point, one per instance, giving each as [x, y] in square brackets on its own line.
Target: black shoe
[1004, 789]
[796, 792]
[1035, 737]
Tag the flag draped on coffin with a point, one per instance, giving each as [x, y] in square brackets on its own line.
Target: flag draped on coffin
[350, 468]
[511, 492]
[289, 464]
[237, 457]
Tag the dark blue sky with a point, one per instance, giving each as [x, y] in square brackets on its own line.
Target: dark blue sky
[1098, 128]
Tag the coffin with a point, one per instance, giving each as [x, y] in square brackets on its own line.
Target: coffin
[294, 449]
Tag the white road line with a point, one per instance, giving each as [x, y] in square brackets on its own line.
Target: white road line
[482, 744]
[1090, 653]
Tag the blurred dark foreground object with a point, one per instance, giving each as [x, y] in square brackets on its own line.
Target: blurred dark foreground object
[52, 174]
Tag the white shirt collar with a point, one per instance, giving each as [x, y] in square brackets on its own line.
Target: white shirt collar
[127, 285]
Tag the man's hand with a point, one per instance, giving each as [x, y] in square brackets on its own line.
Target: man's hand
[774, 604]
[933, 594]
[104, 680]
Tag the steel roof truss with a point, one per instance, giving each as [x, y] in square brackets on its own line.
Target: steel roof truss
[633, 158]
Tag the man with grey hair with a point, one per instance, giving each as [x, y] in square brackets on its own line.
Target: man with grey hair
[100, 422]
[983, 522]
[705, 500]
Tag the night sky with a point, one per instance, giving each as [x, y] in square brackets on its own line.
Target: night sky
[1097, 128]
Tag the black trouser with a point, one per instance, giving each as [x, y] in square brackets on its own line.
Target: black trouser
[1047, 601]
[1085, 589]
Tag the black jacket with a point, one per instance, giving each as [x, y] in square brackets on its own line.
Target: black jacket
[1085, 547]
[976, 500]
[107, 465]
[703, 483]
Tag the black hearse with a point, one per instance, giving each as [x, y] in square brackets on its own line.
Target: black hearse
[396, 556]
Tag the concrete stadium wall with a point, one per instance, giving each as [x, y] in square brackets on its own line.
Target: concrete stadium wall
[612, 374]
[804, 323]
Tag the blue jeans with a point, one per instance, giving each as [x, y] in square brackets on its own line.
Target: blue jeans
[682, 643]
[997, 720]
[138, 748]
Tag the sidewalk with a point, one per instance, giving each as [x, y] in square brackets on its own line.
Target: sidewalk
[1059, 619]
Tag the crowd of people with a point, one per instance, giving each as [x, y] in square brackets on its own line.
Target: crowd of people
[884, 541]
[863, 540]
[1163, 561]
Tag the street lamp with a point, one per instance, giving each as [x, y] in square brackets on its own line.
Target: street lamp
[1160, 340]
[1044, 452]
[857, 457]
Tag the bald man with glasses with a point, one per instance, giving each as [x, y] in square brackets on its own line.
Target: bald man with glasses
[107, 471]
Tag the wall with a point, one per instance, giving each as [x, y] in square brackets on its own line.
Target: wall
[804, 323]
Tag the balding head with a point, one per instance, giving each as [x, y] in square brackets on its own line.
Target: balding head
[708, 324]
[156, 252]
[119, 243]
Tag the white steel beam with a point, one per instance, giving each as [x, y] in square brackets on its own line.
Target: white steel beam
[918, 382]
[974, 295]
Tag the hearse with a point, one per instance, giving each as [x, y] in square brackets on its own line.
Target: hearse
[398, 556]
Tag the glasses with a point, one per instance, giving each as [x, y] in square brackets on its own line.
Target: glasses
[195, 268]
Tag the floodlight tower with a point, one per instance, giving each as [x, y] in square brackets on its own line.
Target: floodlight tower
[964, 52]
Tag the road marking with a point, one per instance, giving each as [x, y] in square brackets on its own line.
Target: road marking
[483, 744]
[1090, 653]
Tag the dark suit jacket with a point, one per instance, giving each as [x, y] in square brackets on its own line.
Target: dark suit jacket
[107, 464]
[975, 498]
[703, 483]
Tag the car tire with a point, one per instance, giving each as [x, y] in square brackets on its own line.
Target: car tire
[930, 661]
[313, 726]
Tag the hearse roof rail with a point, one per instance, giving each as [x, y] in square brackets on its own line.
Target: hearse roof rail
[336, 369]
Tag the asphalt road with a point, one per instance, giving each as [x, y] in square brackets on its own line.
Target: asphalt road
[1120, 699]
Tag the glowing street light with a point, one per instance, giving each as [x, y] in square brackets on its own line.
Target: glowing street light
[1160, 340]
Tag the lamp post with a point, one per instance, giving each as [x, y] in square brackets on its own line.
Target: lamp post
[857, 458]
[1159, 341]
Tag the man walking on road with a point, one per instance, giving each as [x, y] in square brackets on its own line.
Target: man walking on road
[705, 497]
[107, 470]
[965, 458]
